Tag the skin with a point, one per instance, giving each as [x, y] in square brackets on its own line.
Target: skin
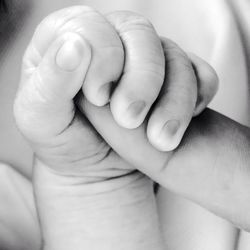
[21, 154]
[222, 161]
[46, 115]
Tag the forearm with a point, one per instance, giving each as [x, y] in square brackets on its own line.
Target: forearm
[119, 213]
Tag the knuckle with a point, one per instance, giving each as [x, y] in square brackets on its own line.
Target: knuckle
[126, 21]
[175, 108]
[58, 18]
[83, 8]
[176, 59]
[48, 21]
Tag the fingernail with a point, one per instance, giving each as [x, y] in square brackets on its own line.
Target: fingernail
[168, 133]
[170, 128]
[133, 111]
[70, 55]
[104, 94]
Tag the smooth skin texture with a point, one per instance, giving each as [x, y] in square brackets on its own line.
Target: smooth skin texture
[69, 151]
[75, 172]
[164, 131]
[216, 155]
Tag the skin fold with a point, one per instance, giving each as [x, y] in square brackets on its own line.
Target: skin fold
[73, 165]
[214, 178]
[77, 150]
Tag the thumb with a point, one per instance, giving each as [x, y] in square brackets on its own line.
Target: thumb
[44, 102]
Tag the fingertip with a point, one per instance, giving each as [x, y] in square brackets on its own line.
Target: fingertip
[98, 96]
[165, 137]
[212, 79]
[205, 72]
[129, 115]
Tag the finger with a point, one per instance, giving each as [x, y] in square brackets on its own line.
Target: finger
[174, 109]
[186, 225]
[207, 80]
[107, 50]
[45, 96]
[209, 167]
[143, 72]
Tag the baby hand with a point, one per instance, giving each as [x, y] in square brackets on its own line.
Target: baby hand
[77, 49]
[87, 196]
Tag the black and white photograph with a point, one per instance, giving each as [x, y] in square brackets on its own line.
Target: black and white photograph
[124, 124]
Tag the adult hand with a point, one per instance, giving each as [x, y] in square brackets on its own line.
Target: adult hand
[210, 167]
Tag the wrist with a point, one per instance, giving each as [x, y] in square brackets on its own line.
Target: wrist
[118, 213]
